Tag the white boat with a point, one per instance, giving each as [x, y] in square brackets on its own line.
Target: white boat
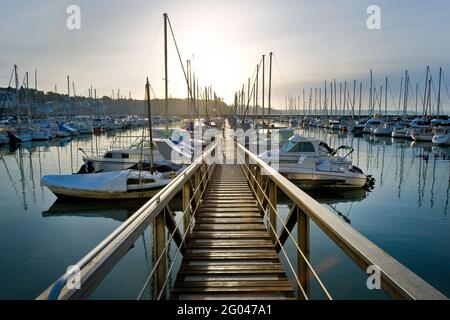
[312, 163]
[121, 159]
[384, 129]
[372, 124]
[442, 139]
[125, 184]
[63, 127]
[334, 125]
[359, 125]
[427, 130]
[278, 136]
[401, 133]
[85, 126]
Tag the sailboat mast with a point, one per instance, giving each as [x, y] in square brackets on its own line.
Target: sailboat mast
[425, 93]
[405, 106]
[354, 97]
[256, 95]
[27, 97]
[385, 97]
[331, 99]
[263, 86]
[371, 92]
[360, 100]
[270, 92]
[166, 76]
[325, 99]
[35, 87]
[68, 96]
[149, 112]
[439, 92]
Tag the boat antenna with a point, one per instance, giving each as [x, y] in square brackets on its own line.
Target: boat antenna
[149, 111]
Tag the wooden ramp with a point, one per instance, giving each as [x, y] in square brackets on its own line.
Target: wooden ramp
[229, 253]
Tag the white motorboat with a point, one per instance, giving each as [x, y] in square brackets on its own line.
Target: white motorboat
[443, 139]
[124, 184]
[278, 137]
[372, 124]
[401, 133]
[384, 129]
[85, 127]
[358, 127]
[312, 163]
[428, 129]
[122, 159]
[334, 125]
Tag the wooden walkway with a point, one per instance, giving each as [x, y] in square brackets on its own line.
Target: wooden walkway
[229, 253]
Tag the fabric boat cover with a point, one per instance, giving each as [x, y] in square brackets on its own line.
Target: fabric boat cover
[105, 181]
[64, 127]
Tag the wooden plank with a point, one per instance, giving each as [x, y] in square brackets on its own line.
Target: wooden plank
[238, 289]
[248, 214]
[203, 219]
[224, 209]
[224, 285]
[229, 235]
[230, 252]
[231, 227]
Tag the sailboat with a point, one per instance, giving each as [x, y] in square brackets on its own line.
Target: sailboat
[312, 163]
[141, 181]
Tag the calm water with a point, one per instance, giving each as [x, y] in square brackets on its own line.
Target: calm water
[406, 215]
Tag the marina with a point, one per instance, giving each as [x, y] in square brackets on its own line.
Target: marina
[335, 187]
[410, 177]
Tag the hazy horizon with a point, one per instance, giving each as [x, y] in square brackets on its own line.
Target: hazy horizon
[119, 45]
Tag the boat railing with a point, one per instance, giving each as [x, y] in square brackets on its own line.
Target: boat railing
[395, 279]
[95, 266]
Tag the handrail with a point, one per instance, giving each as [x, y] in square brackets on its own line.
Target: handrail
[396, 279]
[321, 285]
[162, 255]
[105, 255]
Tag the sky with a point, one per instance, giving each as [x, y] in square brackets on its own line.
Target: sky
[121, 42]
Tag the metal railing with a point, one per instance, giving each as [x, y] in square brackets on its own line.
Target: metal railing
[396, 280]
[101, 260]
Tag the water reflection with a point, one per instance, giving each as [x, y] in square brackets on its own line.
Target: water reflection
[405, 214]
[118, 211]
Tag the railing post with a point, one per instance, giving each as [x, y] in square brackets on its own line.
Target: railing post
[197, 186]
[258, 183]
[303, 244]
[272, 207]
[235, 151]
[203, 173]
[187, 207]
[159, 243]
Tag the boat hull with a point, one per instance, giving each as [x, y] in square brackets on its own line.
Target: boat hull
[316, 180]
[442, 139]
[422, 137]
[62, 193]
[383, 131]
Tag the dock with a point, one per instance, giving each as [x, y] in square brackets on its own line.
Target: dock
[229, 253]
[230, 239]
